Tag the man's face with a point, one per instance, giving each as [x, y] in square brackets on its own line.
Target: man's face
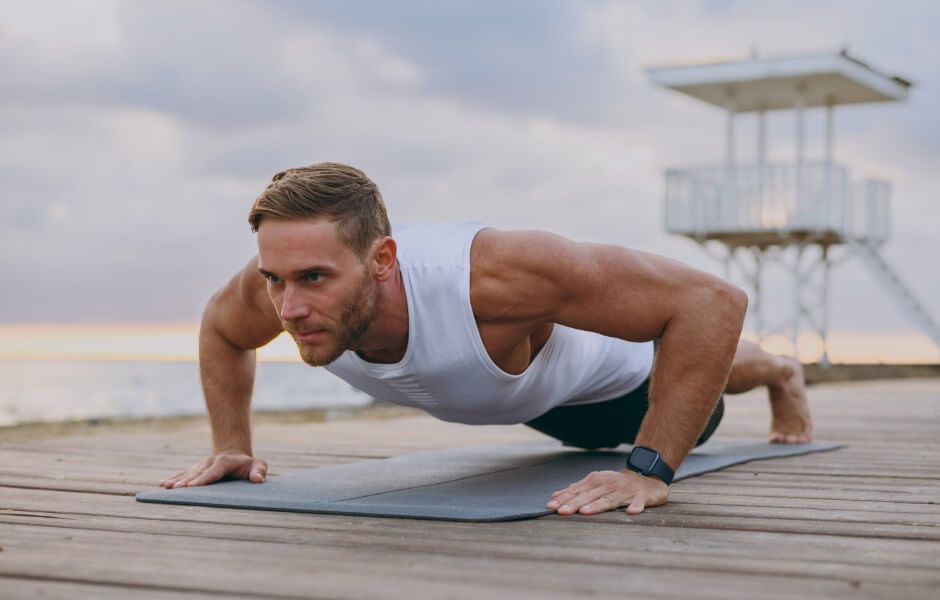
[322, 292]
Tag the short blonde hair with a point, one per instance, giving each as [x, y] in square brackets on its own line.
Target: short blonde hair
[333, 191]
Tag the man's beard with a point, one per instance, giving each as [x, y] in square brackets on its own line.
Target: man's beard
[354, 321]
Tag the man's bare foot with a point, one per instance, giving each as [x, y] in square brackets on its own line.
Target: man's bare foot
[790, 419]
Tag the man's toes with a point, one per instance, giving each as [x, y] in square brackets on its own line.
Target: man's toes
[775, 437]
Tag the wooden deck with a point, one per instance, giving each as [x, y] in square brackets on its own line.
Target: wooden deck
[859, 522]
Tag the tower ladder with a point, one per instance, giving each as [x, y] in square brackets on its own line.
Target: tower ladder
[883, 272]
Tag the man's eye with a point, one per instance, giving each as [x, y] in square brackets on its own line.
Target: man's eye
[312, 276]
[272, 278]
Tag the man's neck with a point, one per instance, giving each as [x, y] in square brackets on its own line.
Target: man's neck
[386, 340]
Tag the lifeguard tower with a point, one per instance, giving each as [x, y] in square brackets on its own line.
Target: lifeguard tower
[793, 213]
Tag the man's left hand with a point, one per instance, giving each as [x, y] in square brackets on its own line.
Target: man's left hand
[607, 490]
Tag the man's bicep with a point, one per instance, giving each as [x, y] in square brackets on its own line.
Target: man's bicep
[627, 293]
[242, 312]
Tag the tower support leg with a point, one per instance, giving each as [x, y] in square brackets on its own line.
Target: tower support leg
[797, 299]
[824, 292]
[758, 310]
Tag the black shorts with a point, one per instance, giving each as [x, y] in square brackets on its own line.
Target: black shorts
[610, 423]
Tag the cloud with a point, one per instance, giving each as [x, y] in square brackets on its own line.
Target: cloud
[522, 58]
[136, 137]
[209, 63]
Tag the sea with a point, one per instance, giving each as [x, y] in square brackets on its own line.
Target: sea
[33, 391]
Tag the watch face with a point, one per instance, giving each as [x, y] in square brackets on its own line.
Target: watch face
[643, 458]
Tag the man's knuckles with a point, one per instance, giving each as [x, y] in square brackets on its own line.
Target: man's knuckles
[596, 478]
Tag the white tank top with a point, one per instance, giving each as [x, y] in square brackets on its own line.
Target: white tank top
[447, 372]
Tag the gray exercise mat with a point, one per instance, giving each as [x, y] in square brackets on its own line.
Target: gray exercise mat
[489, 483]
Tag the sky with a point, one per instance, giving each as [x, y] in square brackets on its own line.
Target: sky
[134, 136]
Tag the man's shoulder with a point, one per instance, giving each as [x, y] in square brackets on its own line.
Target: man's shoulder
[520, 249]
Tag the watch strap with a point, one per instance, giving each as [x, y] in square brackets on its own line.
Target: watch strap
[647, 461]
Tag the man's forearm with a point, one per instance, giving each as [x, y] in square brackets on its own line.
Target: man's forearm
[227, 374]
[690, 373]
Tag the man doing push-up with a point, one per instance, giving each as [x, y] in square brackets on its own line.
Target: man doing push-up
[481, 326]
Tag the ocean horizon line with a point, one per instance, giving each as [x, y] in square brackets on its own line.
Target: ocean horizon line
[179, 342]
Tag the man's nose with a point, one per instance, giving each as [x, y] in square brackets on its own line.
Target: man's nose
[293, 306]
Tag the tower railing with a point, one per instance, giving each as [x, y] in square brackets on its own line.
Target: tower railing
[812, 197]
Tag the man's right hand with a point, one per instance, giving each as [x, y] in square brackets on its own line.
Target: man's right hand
[234, 465]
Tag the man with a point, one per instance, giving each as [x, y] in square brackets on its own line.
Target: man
[483, 326]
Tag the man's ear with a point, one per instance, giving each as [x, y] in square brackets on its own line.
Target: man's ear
[384, 253]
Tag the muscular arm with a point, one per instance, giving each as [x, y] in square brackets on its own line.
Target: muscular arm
[237, 320]
[530, 278]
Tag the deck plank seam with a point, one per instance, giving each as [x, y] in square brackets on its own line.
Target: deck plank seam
[156, 588]
[764, 528]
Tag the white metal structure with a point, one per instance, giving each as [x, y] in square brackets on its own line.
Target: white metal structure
[795, 212]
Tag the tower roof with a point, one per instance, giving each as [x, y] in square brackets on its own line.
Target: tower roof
[775, 83]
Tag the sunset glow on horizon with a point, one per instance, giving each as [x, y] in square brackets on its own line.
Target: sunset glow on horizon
[179, 341]
[113, 341]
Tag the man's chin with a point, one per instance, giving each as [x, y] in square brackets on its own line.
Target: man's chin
[318, 358]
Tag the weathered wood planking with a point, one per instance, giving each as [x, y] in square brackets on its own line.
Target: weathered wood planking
[862, 521]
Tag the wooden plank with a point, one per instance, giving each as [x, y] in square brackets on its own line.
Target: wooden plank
[773, 502]
[841, 481]
[839, 514]
[35, 482]
[336, 570]
[120, 470]
[21, 588]
[888, 497]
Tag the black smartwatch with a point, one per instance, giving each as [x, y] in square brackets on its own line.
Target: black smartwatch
[647, 461]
